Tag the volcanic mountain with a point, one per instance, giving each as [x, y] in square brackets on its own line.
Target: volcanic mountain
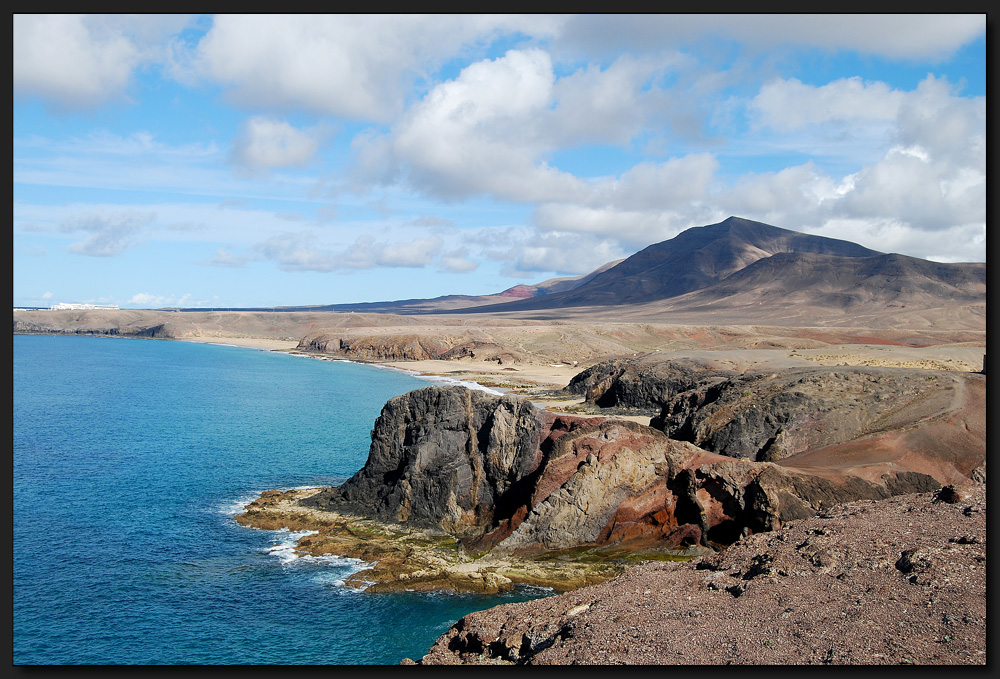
[736, 271]
[693, 260]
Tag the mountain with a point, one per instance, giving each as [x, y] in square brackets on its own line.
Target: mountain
[736, 271]
[445, 303]
[694, 259]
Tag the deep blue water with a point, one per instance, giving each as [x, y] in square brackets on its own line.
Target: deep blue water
[131, 458]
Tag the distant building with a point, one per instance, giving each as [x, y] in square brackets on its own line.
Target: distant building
[73, 305]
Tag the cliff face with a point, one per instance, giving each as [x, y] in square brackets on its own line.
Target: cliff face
[509, 478]
[445, 457]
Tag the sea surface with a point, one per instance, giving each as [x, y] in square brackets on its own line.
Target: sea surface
[131, 458]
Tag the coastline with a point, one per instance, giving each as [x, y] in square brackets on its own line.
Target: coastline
[535, 381]
[404, 558]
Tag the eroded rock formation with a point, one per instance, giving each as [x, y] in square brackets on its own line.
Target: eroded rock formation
[515, 480]
[643, 385]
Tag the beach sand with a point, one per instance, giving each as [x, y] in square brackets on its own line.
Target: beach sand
[263, 343]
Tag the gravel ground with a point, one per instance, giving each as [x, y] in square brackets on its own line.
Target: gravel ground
[900, 581]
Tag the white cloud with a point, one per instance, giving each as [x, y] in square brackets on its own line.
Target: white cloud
[796, 195]
[897, 36]
[490, 130]
[475, 135]
[368, 253]
[266, 143]
[301, 252]
[663, 185]
[457, 261]
[951, 128]
[610, 105]
[225, 258]
[567, 253]
[76, 60]
[145, 300]
[959, 243]
[110, 234]
[790, 105]
[59, 56]
[353, 66]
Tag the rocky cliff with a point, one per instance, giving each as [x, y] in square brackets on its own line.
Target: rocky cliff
[512, 479]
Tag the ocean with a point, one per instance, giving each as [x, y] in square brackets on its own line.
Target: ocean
[131, 458]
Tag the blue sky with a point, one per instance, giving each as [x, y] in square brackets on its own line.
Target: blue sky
[242, 161]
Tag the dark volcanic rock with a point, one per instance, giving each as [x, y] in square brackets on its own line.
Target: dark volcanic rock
[443, 457]
[768, 416]
[642, 385]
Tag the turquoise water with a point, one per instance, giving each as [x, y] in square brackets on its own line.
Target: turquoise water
[131, 458]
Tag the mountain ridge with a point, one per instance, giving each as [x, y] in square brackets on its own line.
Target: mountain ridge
[751, 268]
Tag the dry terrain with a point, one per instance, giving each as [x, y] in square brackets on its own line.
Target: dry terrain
[899, 581]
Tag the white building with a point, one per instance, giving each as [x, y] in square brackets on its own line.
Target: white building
[73, 305]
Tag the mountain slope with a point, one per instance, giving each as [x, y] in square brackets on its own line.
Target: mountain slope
[692, 260]
[795, 278]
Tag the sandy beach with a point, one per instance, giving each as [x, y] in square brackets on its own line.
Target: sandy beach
[263, 343]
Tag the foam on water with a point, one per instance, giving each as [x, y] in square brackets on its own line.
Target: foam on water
[451, 381]
[236, 506]
[285, 550]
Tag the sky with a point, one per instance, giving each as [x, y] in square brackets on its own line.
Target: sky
[272, 160]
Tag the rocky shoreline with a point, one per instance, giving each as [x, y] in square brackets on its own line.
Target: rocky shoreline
[404, 558]
[900, 581]
[473, 491]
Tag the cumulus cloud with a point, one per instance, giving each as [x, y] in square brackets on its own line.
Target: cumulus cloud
[526, 253]
[658, 185]
[58, 56]
[473, 135]
[77, 60]
[366, 253]
[355, 66]
[490, 130]
[266, 143]
[110, 234]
